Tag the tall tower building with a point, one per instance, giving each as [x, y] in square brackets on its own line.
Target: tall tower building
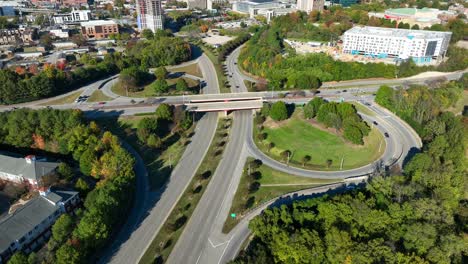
[310, 5]
[150, 15]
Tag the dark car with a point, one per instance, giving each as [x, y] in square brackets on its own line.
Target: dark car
[386, 134]
[375, 123]
[344, 91]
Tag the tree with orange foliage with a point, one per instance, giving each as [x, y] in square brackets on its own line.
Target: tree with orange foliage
[20, 70]
[204, 28]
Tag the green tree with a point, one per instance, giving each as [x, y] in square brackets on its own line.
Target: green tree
[160, 86]
[18, 258]
[82, 187]
[161, 73]
[65, 171]
[147, 33]
[67, 254]
[87, 160]
[154, 141]
[62, 228]
[279, 111]
[384, 96]
[164, 112]
[181, 85]
[312, 107]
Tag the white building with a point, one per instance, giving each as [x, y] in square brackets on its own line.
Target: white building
[29, 226]
[421, 45]
[75, 16]
[267, 8]
[28, 170]
[150, 15]
[310, 5]
[60, 33]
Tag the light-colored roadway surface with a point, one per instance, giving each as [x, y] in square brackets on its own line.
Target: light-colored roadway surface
[132, 244]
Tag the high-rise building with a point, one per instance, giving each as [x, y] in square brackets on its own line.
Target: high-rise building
[200, 4]
[150, 15]
[310, 5]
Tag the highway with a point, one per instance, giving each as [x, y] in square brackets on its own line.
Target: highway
[132, 244]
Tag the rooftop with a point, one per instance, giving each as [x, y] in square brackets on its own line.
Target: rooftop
[396, 32]
[97, 23]
[13, 227]
[18, 165]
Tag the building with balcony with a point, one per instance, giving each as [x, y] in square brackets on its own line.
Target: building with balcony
[75, 16]
[422, 46]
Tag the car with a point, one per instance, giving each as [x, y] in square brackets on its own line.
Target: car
[237, 86]
[386, 134]
[375, 123]
[235, 63]
[344, 91]
[101, 103]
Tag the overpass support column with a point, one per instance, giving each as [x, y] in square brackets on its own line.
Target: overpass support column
[223, 114]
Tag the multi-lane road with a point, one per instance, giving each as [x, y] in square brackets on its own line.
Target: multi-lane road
[202, 240]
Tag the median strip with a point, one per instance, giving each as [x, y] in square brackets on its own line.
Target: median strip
[166, 239]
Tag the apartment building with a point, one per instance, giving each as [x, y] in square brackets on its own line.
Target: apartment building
[150, 15]
[29, 226]
[420, 45]
[310, 5]
[27, 169]
[75, 16]
[99, 29]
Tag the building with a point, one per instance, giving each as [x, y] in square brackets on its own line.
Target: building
[74, 2]
[150, 15]
[99, 29]
[424, 17]
[7, 8]
[268, 8]
[60, 33]
[29, 226]
[200, 4]
[27, 169]
[345, 3]
[310, 5]
[421, 45]
[75, 16]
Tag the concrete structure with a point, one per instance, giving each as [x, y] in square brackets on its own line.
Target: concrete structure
[99, 29]
[267, 8]
[200, 4]
[29, 226]
[17, 36]
[27, 169]
[60, 33]
[421, 45]
[310, 5]
[75, 16]
[150, 15]
[345, 3]
[7, 8]
[424, 17]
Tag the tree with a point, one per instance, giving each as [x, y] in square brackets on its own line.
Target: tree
[384, 96]
[161, 72]
[279, 111]
[154, 141]
[306, 159]
[79, 40]
[160, 86]
[62, 228]
[65, 171]
[164, 112]
[312, 107]
[87, 160]
[329, 163]
[270, 146]
[82, 187]
[147, 126]
[18, 258]
[181, 85]
[67, 254]
[46, 41]
[147, 33]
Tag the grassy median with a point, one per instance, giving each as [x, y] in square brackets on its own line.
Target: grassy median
[261, 185]
[165, 240]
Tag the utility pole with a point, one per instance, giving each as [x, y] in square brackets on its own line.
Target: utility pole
[342, 160]
[249, 170]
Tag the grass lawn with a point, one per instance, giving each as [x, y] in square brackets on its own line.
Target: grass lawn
[149, 92]
[362, 109]
[166, 239]
[159, 162]
[302, 138]
[191, 69]
[98, 96]
[272, 184]
[64, 100]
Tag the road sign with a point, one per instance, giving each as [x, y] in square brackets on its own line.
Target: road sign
[233, 215]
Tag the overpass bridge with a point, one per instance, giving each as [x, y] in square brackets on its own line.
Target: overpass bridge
[227, 104]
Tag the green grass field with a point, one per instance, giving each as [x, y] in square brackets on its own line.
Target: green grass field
[64, 100]
[98, 96]
[273, 183]
[191, 69]
[302, 138]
